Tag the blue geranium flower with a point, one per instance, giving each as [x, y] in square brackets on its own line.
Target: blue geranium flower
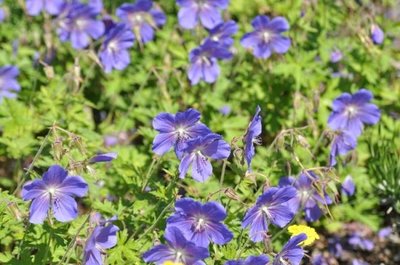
[200, 223]
[292, 253]
[251, 137]
[342, 143]
[104, 236]
[205, 11]
[177, 249]
[114, 52]
[55, 191]
[271, 207]
[204, 63]
[143, 18]
[222, 33]
[266, 37]
[78, 23]
[351, 112]
[197, 152]
[176, 129]
[307, 197]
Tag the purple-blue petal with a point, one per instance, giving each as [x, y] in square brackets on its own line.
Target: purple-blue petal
[348, 186]
[55, 175]
[106, 157]
[64, 207]
[39, 209]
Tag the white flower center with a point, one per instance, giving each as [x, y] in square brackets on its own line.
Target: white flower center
[266, 36]
[51, 190]
[81, 23]
[113, 45]
[200, 223]
[283, 261]
[204, 59]
[351, 110]
[265, 210]
[178, 256]
[202, 3]
[136, 18]
[215, 38]
[181, 131]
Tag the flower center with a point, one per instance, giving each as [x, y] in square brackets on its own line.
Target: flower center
[113, 45]
[81, 23]
[181, 132]
[284, 261]
[202, 3]
[178, 256]
[51, 190]
[266, 36]
[304, 196]
[265, 210]
[136, 18]
[204, 60]
[351, 110]
[200, 223]
[215, 38]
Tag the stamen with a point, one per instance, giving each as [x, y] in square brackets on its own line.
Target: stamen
[113, 45]
[266, 36]
[200, 223]
[181, 131]
[51, 190]
[178, 256]
[81, 23]
[351, 110]
[257, 140]
[265, 210]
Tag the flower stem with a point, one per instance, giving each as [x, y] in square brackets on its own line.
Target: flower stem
[72, 243]
[155, 162]
[36, 157]
[221, 180]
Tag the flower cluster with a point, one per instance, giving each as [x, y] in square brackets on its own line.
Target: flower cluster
[308, 197]
[79, 23]
[355, 237]
[349, 114]
[194, 142]
[217, 46]
[263, 41]
[194, 226]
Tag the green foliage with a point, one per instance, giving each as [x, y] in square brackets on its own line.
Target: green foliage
[66, 107]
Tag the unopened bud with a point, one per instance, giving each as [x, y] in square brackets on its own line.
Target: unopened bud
[231, 193]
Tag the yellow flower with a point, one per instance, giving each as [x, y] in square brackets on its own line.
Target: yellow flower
[303, 229]
[172, 263]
